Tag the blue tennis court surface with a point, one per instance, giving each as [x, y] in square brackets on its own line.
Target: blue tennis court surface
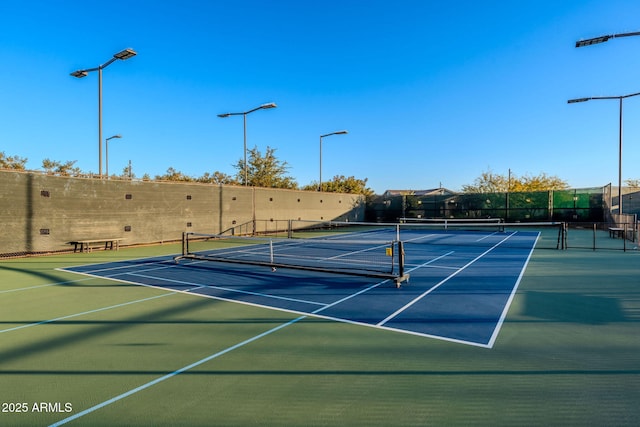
[460, 288]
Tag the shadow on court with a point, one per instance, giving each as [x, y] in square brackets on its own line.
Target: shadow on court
[573, 308]
[101, 329]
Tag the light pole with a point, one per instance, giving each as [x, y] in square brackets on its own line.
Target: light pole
[123, 55]
[619, 98]
[340, 132]
[244, 119]
[598, 40]
[107, 150]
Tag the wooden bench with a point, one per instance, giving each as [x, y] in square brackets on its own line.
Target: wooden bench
[616, 232]
[86, 245]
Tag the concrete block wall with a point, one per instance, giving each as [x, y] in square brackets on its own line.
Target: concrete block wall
[41, 213]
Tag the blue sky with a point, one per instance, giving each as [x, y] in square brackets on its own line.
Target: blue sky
[431, 92]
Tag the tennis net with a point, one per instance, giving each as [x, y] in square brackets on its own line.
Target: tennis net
[548, 235]
[446, 221]
[382, 259]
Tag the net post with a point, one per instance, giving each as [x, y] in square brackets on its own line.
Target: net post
[401, 274]
[400, 258]
[185, 248]
[290, 229]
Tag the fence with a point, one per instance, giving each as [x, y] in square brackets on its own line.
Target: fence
[588, 212]
[602, 235]
[558, 205]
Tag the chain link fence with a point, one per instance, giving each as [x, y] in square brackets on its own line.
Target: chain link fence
[588, 212]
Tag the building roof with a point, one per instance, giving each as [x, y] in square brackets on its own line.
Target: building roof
[430, 192]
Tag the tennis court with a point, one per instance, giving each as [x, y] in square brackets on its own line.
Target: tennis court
[450, 285]
[487, 330]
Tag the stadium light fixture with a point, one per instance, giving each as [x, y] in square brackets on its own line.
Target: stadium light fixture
[340, 132]
[573, 101]
[602, 39]
[80, 74]
[106, 142]
[244, 119]
[125, 54]
[122, 55]
[619, 98]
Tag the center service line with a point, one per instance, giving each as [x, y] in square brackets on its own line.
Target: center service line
[436, 286]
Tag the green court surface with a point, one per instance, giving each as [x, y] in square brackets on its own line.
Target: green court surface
[112, 353]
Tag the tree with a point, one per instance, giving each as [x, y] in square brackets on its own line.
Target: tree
[173, 175]
[127, 173]
[55, 167]
[342, 184]
[12, 162]
[264, 171]
[632, 182]
[488, 182]
[216, 178]
[542, 182]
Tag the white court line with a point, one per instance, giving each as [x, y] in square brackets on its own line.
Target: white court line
[43, 286]
[368, 288]
[437, 285]
[174, 373]
[357, 252]
[496, 331]
[200, 285]
[70, 316]
[225, 351]
[487, 236]
[119, 267]
[201, 361]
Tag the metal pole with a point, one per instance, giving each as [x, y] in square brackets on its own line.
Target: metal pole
[320, 184]
[341, 132]
[619, 98]
[506, 214]
[123, 55]
[100, 122]
[244, 118]
[620, 164]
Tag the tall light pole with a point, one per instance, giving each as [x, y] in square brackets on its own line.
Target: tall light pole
[598, 40]
[244, 117]
[340, 132]
[122, 55]
[106, 141]
[619, 98]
